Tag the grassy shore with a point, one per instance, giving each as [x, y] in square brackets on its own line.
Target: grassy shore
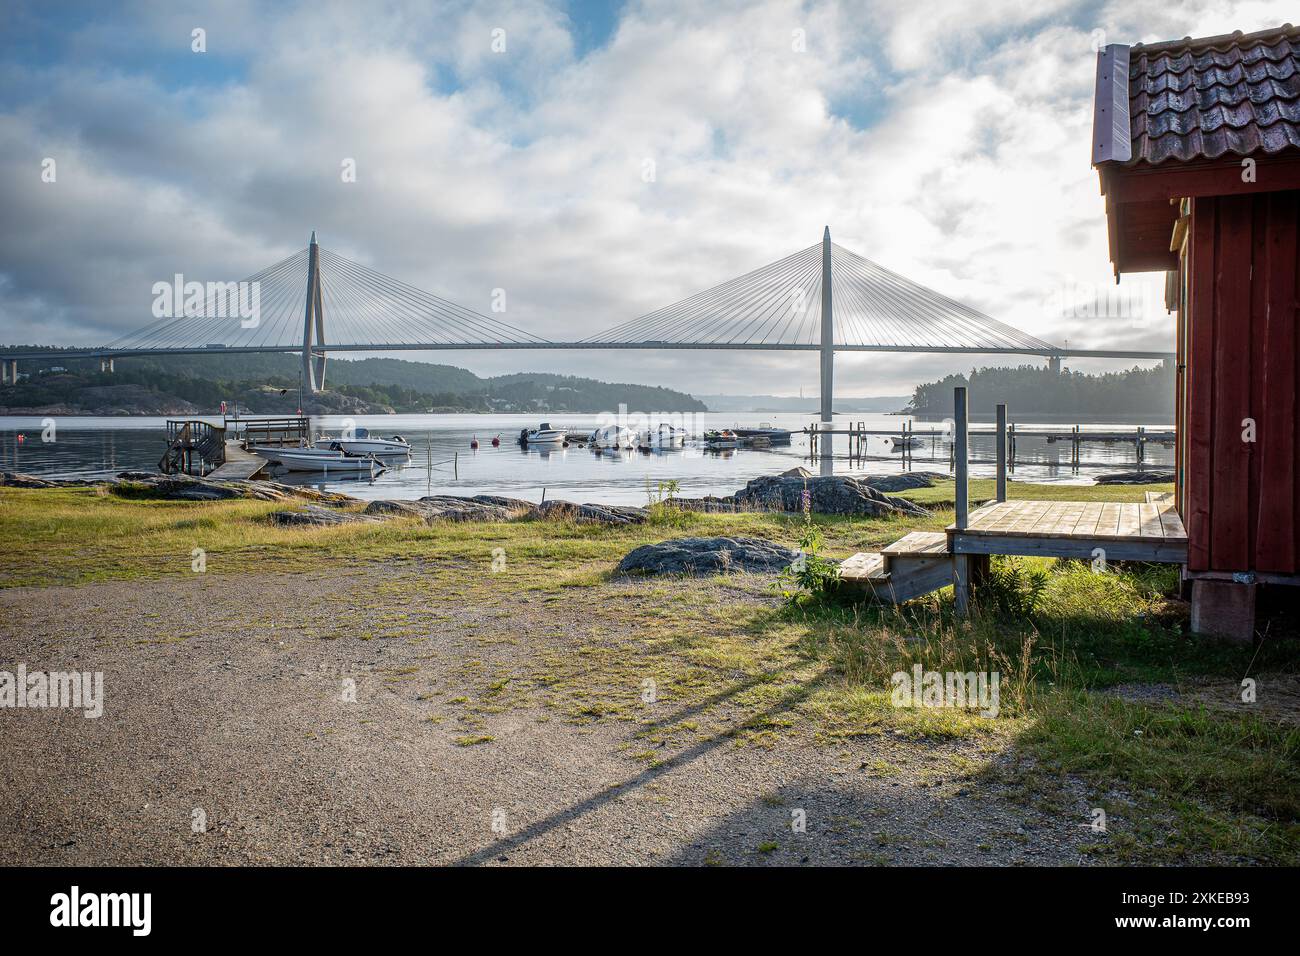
[1187, 771]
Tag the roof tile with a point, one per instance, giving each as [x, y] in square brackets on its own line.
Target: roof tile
[1201, 99]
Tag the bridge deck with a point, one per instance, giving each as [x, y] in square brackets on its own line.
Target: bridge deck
[1122, 531]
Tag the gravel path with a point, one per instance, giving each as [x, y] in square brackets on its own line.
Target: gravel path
[225, 705]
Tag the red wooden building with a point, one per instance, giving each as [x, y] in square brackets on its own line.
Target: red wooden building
[1197, 143]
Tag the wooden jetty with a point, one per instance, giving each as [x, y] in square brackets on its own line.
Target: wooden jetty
[921, 562]
[239, 465]
[199, 447]
[907, 438]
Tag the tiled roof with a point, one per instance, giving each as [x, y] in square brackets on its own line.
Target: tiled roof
[1201, 99]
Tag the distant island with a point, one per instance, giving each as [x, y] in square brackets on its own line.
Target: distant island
[811, 405]
[267, 384]
[1038, 391]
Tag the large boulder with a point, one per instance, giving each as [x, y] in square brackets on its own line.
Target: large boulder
[708, 556]
[829, 494]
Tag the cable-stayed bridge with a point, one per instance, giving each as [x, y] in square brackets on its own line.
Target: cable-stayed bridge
[824, 298]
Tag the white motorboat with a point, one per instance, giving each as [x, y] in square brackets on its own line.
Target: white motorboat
[544, 435]
[319, 459]
[613, 436]
[361, 442]
[665, 436]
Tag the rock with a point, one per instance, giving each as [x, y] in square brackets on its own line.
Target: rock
[905, 481]
[142, 484]
[1135, 478]
[798, 471]
[13, 479]
[454, 508]
[707, 503]
[316, 516]
[708, 556]
[830, 494]
[588, 513]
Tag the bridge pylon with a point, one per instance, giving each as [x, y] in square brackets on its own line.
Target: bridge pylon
[313, 363]
[827, 356]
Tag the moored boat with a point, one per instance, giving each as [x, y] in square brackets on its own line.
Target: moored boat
[725, 438]
[613, 436]
[665, 436]
[361, 442]
[543, 435]
[777, 436]
[320, 460]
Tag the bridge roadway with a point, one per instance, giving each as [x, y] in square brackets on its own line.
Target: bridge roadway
[590, 346]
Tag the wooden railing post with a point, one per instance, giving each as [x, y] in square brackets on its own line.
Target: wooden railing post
[961, 453]
[1002, 452]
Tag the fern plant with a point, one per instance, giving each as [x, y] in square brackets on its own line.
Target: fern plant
[1013, 589]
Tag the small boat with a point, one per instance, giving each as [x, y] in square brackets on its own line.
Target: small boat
[361, 442]
[322, 460]
[543, 435]
[721, 439]
[612, 436]
[903, 441]
[776, 436]
[665, 436]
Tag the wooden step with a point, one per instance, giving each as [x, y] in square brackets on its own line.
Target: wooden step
[918, 543]
[911, 576]
[863, 566]
[898, 578]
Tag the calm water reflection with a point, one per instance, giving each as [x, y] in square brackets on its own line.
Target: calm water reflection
[442, 461]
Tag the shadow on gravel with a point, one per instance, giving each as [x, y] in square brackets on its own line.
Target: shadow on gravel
[687, 756]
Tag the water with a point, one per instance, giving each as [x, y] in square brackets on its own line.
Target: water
[92, 447]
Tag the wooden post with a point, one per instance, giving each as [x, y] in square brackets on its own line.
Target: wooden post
[960, 563]
[961, 456]
[1002, 451]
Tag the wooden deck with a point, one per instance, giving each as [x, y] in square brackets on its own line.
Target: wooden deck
[1124, 531]
[240, 465]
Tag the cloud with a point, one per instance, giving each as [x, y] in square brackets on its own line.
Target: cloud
[953, 149]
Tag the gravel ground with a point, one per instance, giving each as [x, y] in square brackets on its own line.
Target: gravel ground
[223, 704]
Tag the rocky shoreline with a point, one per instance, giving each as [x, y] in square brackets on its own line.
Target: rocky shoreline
[792, 492]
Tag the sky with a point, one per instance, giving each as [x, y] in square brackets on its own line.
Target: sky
[947, 141]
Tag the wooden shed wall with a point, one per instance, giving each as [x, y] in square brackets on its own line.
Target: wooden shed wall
[1241, 329]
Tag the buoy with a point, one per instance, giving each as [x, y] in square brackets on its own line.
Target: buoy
[496, 442]
[21, 438]
[473, 442]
